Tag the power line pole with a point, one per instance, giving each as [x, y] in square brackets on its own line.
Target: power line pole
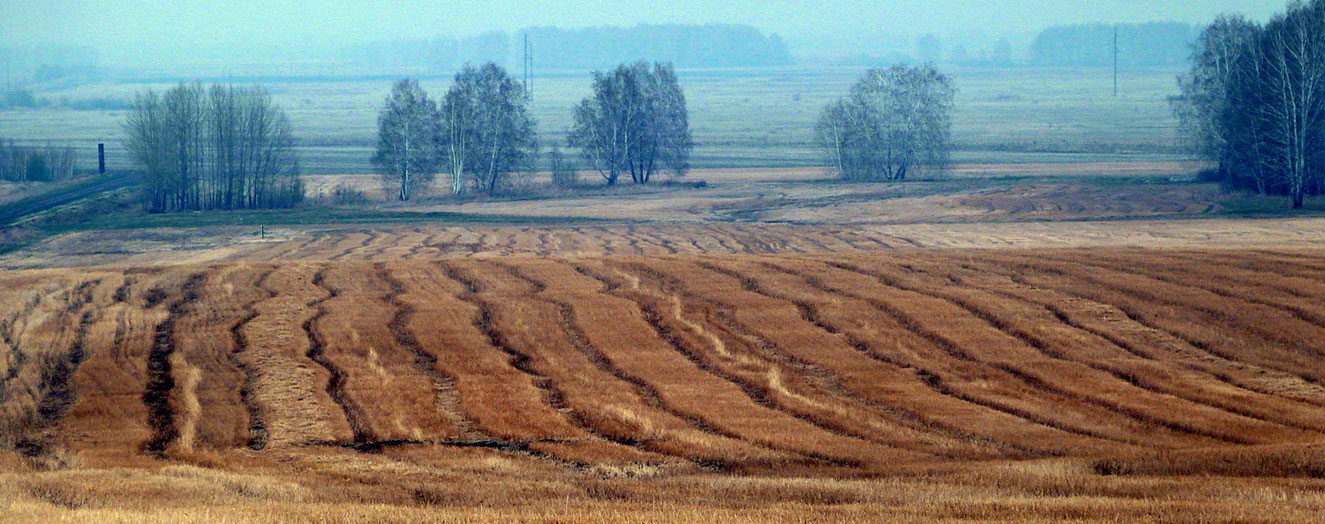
[1115, 61]
[528, 68]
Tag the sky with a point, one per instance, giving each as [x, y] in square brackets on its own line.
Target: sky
[118, 27]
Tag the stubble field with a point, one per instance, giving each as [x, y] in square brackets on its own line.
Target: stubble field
[1102, 385]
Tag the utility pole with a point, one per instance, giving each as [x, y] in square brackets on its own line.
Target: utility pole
[1115, 61]
[528, 68]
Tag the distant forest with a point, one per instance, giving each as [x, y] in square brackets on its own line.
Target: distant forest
[688, 46]
[1139, 45]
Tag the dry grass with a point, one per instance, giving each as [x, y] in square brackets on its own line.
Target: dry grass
[999, 386]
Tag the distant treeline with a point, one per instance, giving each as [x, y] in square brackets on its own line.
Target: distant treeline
[683, 45]
[693, 46]
[47, 63]
[1139, 45]
[25, 99]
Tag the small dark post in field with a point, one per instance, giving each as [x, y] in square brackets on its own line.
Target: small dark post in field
[101, 159]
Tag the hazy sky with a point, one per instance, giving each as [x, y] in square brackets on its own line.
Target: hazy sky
[115, 26]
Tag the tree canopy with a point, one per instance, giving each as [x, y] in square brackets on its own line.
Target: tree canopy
[635, 123]
[895, 121]
[1254, 101]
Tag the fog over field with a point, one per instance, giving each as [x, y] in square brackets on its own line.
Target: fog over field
[153, 33]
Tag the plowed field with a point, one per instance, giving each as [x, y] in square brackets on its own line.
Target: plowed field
[351, 378]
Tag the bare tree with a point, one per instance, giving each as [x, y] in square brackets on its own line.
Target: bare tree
[221, 148]
[457, 135]
[407, 127]
[1205, 90]
[635, 122]
[894, 122]
[33, 164]
[563, 173]
[1294, 84]
[1261, 113]
[486, 132]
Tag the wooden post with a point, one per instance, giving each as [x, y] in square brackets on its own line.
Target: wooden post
[101, 159]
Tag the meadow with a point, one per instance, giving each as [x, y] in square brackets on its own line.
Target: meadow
[758, 117]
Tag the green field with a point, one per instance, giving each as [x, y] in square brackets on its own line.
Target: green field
[739, 117]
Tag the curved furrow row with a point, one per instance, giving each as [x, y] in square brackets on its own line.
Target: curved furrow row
[928, 389]
[1041, 363]
[1253, 291]
[1210, 343]
[1163, 397]
[257, 427]
[106, 417]
[599, 397]
[1176, 369]
[285, 390]
[937, 339]
[448, 397]
[347, 244]
[208, 409]
[160, 378]
[41, 391]
[771, 385]
[699, 393]
[14, 323]
[317, 352]
[492, 398]
[758, 319]
[1222, 329]
[1290, 327]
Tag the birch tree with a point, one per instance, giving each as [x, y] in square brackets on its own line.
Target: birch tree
[894, 122]
[407, 127]
[487, 132]
[1261, 114]
[1205, 89]
[635, 123]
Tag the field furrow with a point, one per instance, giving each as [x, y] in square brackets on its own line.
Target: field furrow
[946, 346]
[107, 419]
[1168, 363]
[578, 380]
[1029, 357]
[744, 340]
[159, 389]
[718, 403]
[207, 401]
[389, 389]
[1197, 316]
[1165, 398]
[285, 387]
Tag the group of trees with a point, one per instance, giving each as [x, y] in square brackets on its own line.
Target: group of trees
[32, 164]
[1254, 101]
[480, 133]
[222, 147]
[635, 123]
[894, 122]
